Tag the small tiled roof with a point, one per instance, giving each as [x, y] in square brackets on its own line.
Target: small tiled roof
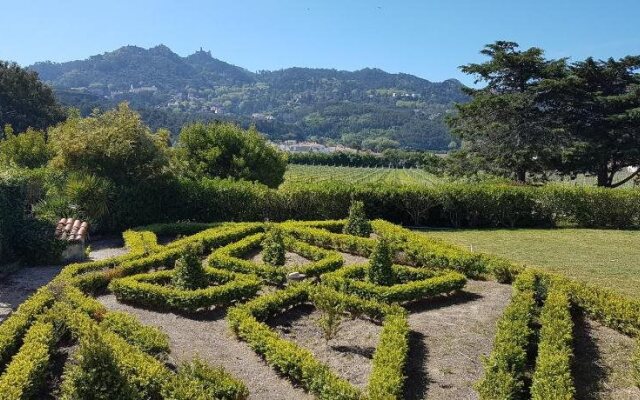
[72, 229]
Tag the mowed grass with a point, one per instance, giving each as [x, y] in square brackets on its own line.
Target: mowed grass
[601, 257]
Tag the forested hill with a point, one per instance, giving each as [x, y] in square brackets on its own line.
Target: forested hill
[369, 108]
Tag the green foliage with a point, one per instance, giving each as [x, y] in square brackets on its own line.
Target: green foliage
[25, 101]
[552, 375]
[332, 313]
[26, 373]
[369, 108]
[188, 271]
[411, 283]
[273, 249]
[227, 151]
[148, 339]
[115, 145]
[151, 290]
[300, 365]
[94, 373]
[504, 369]
[16, 325]
[380, 271]
[357, 222]
[26, 150]
[198, 381]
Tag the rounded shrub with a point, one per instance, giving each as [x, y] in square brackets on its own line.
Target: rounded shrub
[189, 272]
[381, 264]
[357, 223]
[273, 252]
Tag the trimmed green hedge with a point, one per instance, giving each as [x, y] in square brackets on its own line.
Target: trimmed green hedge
[228, 257]
[299, 364]
[413, 283]
[148, 339]
[504, 369]
[153, 290]
[13, 328]
[25, 375]
[198, 381]
[552, 375]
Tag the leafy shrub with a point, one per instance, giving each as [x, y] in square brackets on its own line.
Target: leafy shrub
[148, 339]
[151, 290]
[380, 271]
[357, 224]
[552, 375]
[504, 369]
[332, 311]
[94, 373]
[273, 251]
[198, 381]
[26, 373]
[188, 272]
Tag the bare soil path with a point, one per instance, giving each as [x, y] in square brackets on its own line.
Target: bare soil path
[449, 336]
[210, 339]
[601, 366]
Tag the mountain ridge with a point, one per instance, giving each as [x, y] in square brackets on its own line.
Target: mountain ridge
[368, 108]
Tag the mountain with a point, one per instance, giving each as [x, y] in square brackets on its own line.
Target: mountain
[370, 108]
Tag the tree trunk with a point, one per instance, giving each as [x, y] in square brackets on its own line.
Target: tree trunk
[521, 175]
[603, 176]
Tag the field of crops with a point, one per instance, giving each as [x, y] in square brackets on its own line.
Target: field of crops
[319, 173]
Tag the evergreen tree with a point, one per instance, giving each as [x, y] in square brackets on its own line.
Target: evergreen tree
[357, 223]
[380, 264]
[273, 251]
[504, 122]
[189, 272]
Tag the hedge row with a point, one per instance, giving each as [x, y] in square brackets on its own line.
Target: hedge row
[504, 369]
[149, 339]
[146, 377]
[154, 290]
[229, 257]
[26, 373]
[446, 205]
[552, 375]
[412, 283]
[16, 325]
[299, 364]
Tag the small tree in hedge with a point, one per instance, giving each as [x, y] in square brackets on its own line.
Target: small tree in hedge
[189, 272]
[357, 224]
[380, 264]
[273, 251]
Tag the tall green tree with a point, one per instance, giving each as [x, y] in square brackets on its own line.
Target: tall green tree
[227, 151]
[598, 104]
[115, 145]
[25, 102]
[504, 123]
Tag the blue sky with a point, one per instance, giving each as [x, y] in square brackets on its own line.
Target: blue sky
[428, 38]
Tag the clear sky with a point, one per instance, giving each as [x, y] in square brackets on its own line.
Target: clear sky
[428, 38]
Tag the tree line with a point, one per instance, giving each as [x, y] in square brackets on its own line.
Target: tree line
[536, 116]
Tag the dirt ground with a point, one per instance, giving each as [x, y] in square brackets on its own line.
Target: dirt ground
[210, 339]
[601, 367]
[448, 337]
[349, 354]
[291, 259]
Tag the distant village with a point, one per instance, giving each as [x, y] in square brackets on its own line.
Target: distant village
[293, 146]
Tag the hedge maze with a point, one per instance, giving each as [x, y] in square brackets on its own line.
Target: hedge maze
[115, 356]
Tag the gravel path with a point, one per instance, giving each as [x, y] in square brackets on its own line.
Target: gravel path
[211, 339]
[449, 336]
[350, 259]
[107, 247]
[601, 368]
[349, 354]
[18, 286]
[290, 259]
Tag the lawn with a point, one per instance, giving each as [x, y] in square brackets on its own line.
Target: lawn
[602, 257]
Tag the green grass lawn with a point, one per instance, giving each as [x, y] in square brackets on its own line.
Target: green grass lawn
[602, 257]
